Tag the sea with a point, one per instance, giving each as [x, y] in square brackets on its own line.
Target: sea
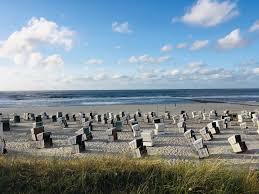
[110, 97]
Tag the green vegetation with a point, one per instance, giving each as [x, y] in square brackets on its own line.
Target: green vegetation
[122, 175]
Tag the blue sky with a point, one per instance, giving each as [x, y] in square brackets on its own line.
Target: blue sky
[132, 44]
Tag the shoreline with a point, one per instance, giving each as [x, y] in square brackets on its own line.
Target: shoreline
[173, 108]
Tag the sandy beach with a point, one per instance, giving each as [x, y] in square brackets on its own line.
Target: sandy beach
[171, 146]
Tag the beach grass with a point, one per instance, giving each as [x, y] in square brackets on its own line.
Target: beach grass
[103, 174]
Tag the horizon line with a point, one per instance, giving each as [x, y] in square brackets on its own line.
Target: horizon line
[51, 90]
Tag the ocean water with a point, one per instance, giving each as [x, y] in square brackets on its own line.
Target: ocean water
[108, 97]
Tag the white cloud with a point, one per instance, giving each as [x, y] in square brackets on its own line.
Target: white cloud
[36, 60]
[254, 27]
[200, 71]
[118, 77]
[172, 72]
[121, 27]
[181, 45]
[162, 59]
[101, 76]
[53, 62]
[147, 59]
[199, 44]
[166, 48]
[194, 67]
[18, 77]
[232, 40]
[94, 61]
[21, 46]
[147, 75]
[210, 12]
[194, 74]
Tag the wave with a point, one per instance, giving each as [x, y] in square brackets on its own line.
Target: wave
[75, 98]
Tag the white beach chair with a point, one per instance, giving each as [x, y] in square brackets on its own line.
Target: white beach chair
[240, 118]
[237, 145]
[148, 138]
[136, 130]
[159, 128]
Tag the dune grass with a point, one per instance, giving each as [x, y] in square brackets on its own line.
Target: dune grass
[122, 175]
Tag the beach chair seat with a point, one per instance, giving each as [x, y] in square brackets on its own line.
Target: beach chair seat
[118, 125]
[156, 120]
[213, 115]
[111, 115]
[198, 144]
[44, 115]
[2, 142]
[5, 124]
[214, 130]
[78, 141]
[122, 114]
[135, 143]
[214, 127]
[159, 128]
[240, 118]
[137, 147]
[203, 152]
[59, 114]
[37, 124]
[226, 112]
[54, 118]
[136, 130]
[190, 136]
[152, 114]
[148, 138]
[206, 134]
[16, 118]
[112, 134]
[67, 117]
[44, 140]
[74, 117]
[140, 152]
[205, 116]
[196, 115]
[35, 131]
[2, 146]
[104, 119]
[167, 115]
[86, 131]
[138, 113]
[62, 122]
[98, 118]
[201, 149]
[238, 146]
[182, 127]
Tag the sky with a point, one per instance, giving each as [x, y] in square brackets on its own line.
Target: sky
[129, 44]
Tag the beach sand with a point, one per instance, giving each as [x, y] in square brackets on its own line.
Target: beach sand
[170, 146]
